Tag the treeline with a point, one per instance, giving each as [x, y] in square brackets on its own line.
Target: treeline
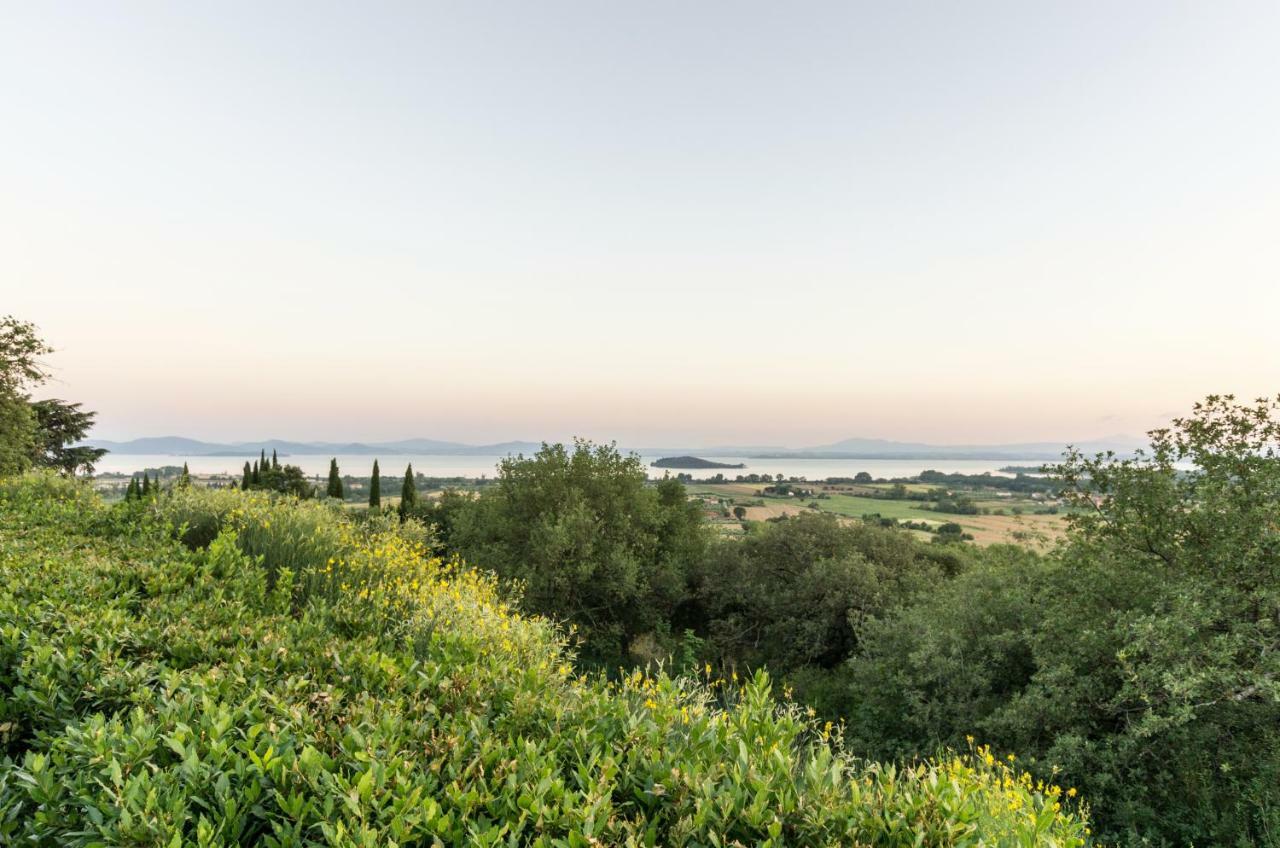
[1138, 661]
[1021, 483]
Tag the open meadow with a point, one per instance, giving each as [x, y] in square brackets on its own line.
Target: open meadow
[999, 518]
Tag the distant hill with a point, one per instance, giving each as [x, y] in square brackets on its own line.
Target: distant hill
[687, 462]
[885, 449]
[181, 446]
[854, 448]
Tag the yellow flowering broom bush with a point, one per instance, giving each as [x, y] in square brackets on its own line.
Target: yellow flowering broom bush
[291, 678]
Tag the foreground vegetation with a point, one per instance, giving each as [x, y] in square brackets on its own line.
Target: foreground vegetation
[1137, 659]
[305, 680]
[256, 665]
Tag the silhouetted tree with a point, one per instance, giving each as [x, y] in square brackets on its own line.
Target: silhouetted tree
[375, 487]
[335, 480]
[408, 494]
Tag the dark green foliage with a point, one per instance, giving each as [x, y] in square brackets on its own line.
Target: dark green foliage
[39, 433]
[408, 495]
[375, 487]
[146, 485]
[591, 542]
[184, 479]
[275, 461]
[256, 476]
[794, 595]
[286, 480]
[335, 479]
[248, 477]
[1142, 659]
[58, 426]
[17, 433]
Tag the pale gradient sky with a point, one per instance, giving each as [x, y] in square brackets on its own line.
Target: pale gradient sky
[656, 222]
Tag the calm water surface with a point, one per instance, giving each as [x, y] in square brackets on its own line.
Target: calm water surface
[435, 465]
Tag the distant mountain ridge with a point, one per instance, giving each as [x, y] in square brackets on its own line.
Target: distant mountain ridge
[855, 448]
[182, 446]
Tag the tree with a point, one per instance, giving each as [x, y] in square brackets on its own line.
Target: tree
[58, 425]
[375, 487]
[262, 460]
[739, 512]
[335, 480]
[248, 478]
[275, 461]
[20, 350]
[185, 479]
[256, 477]
[795, 593]
[287, 480]
[1141, 661]
[146, 485]
[862, 477]
[593, 542]
[17, 434]
[132, 493]
[408, 494]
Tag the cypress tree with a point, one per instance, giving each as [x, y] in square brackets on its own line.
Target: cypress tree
[185, 479]
[146, 485]
[275, 462]
[408, 494]
[375, 487]
[335, 481]
[132, 493]
[244, 484]
[262, 461]
[256, 477]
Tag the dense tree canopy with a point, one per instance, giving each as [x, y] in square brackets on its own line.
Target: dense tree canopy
[1142, 659]
[588, 539]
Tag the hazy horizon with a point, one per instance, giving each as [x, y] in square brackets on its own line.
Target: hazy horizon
[717, 223]
[703, 445]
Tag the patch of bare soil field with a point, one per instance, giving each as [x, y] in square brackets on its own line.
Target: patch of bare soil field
[1033, 530]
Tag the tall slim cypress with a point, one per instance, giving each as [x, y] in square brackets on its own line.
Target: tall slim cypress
[146, 485]
[185, 479]
[262, 461]
[256, 477]
[375, 487]
[408, 494]
[275, 461]
[335, 479]
[132, 493]
[244, 484]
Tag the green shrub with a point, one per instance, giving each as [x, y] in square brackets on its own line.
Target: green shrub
[156, 694]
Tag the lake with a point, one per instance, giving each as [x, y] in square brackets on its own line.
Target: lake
[437, 465]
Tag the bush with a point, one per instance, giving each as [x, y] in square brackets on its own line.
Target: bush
[1140, 661]
[158, 694]
[589, 539]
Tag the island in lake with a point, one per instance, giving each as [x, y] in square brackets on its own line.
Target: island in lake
[691, 462]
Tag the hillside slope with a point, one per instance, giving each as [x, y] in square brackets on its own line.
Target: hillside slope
[303, 680]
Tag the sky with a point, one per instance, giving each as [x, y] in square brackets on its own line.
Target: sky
[660, 222]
